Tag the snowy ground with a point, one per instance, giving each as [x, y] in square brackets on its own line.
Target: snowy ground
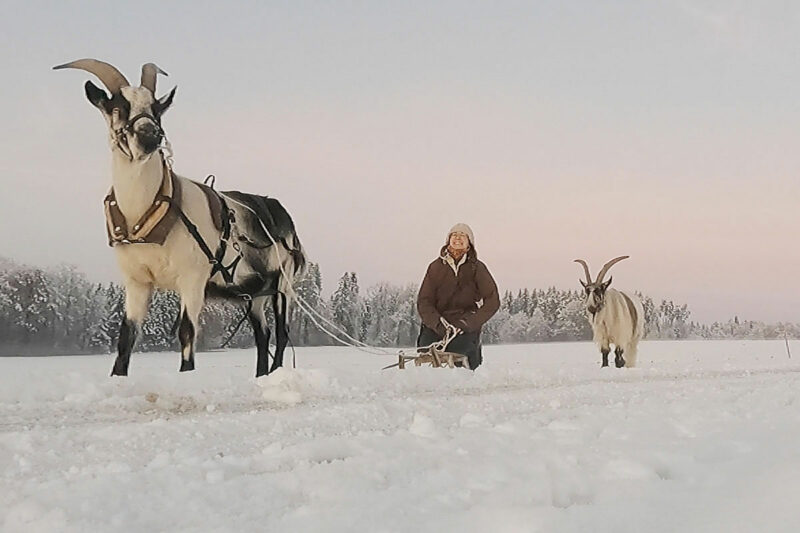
[704, 436]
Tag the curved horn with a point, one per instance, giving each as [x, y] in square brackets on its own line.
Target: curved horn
[585, 269]
[609, 265]
[149, 72]
[108, 74]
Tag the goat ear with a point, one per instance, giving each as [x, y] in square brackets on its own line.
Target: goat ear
[582, 283]
[96, 95]
[607, 283]
[163, 103]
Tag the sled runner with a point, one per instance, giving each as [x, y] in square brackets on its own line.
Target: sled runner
[434, 354]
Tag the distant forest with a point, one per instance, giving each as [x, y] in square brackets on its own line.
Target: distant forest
[60, 311]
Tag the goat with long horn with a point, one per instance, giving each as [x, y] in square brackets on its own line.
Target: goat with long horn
[108, 74]
[616, 317]
[149, 72]
[173, 233]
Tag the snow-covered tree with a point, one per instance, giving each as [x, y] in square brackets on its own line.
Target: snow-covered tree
[59, 311]
[309, 288]
[345, 304]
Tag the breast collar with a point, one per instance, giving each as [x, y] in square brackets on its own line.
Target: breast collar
[155, 224]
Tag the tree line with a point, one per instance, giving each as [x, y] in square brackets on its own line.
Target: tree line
[60, 311]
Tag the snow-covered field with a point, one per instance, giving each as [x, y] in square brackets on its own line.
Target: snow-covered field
[704, 436]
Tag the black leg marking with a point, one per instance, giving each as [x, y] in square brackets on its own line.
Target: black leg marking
[605, 352]
[262, 334]
[186, 336]
[127, 338]
[618, 359]
[281, 331]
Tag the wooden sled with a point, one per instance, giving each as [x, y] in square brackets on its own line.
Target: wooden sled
[433, 357]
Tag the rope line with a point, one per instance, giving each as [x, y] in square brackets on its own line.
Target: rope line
[304, 306]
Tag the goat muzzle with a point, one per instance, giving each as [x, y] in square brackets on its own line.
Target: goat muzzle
[150, 137]
[149, 133]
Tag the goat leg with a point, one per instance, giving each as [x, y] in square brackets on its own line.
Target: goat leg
[127, 338]
[618, 359]
[186, 334]
[279, 311]
[137, 300]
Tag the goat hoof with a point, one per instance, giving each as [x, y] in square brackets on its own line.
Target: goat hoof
[186, 366]
[620, 363]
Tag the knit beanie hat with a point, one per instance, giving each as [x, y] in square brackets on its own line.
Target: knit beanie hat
[462, 228]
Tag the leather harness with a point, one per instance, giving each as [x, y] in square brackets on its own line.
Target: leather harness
[159, 219]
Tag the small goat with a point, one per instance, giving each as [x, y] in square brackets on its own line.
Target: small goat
[173, 233]
[616, 317]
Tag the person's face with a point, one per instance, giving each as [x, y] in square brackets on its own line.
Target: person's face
[459, 241]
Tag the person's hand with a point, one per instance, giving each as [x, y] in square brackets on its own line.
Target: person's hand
[446, 326]
[461, 325]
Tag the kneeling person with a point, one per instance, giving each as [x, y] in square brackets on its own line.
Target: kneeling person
[458, 290]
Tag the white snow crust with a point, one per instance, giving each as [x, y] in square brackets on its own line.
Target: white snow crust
[703, 437]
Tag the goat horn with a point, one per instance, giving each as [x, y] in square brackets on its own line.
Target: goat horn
[149, 73]
[609, 265]
[586, 269]
[108, 74]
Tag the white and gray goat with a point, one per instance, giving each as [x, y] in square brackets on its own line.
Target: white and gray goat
[616, 317]
[173, 233]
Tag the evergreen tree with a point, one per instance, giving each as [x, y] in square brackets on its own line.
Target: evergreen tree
[345, 304]
[60, 311]
[157, 328]
[524, 303]
[309, 288]
[507, 302]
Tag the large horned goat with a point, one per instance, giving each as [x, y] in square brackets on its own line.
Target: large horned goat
[173, 233]
[616, 318]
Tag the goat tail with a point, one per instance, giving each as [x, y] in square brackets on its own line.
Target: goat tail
[632, 350]
[298, 254]
[294, 267]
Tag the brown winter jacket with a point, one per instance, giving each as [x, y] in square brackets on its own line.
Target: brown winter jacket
[456, 297]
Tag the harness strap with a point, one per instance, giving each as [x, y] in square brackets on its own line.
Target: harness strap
[132, 122]
[213, 259]
[156, 223]
[238, 324]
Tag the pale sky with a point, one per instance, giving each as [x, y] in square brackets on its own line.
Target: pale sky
[664, 130]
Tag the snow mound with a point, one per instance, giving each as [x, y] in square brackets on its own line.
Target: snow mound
[422, 426]
[290, 386]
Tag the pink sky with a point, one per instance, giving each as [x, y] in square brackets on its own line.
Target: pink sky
[666, 133]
